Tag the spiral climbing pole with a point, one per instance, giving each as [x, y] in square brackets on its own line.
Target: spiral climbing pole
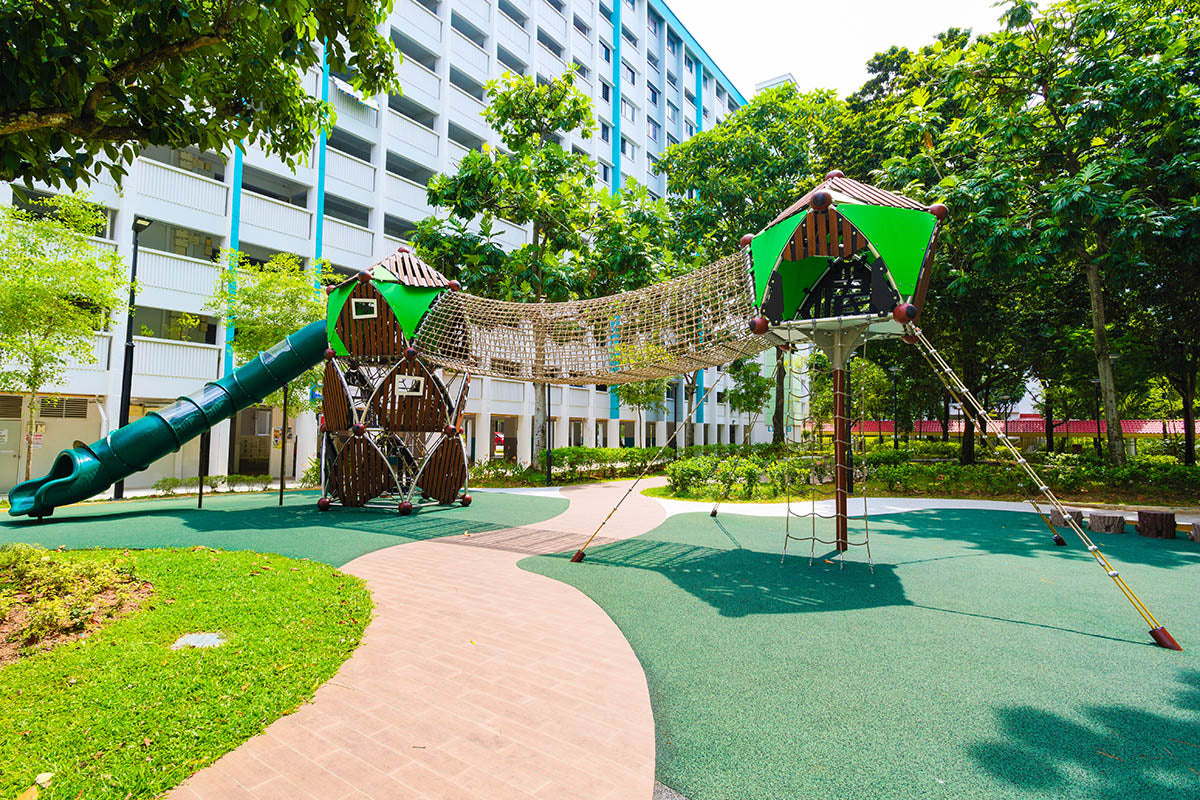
[963, 395]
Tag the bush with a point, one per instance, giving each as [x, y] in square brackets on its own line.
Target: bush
[687, 474]
[886, 456]
[312, 473]
[167, 485]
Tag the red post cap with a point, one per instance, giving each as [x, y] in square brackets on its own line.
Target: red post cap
[405, 508]
[904, 313]
[465, 500]
[746, 239]
[323, 504]
[455, 286]
[364, 277]
[759, 325]
[939, 210]
[834, 173]
[821, 200]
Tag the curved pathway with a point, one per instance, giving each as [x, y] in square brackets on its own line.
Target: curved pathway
[475, 679]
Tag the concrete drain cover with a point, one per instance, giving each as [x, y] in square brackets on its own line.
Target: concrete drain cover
[198, 640]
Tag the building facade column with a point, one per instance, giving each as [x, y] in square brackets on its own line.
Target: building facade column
[613, 433]
[483, 434]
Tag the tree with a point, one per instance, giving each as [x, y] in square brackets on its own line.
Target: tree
[586, 242]
[750, 390]
[57, 289]
[264, 303]
[1066, 104]
[90, 82]
[733, 179]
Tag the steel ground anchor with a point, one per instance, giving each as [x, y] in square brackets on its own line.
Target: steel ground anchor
[579, 556]
[1164, 639]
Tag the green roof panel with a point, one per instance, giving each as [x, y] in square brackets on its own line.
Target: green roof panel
[900, 236]
[765, 249]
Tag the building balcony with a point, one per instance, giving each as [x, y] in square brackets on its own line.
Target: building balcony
[553, 22]
[507, 392]
[421, 85]
[457, 153]
[304, 173]
[179, 283]
[412, 138]
[166, 368]
[467, 112]
[394, 243]
[420, 23]
[354, 114]
[405, 198]
[546, 63]
[512, 36]
[275, 224]
[347, 244]
[181, 197]
[469, 57]
[509, 235]
[477, 11]
[578, 398]
[349, 177]
[581, 46]
[88, 378]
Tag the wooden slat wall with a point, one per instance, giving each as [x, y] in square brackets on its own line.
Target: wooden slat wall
[427, 411]
[335, 399]
[446, 471]
[825, 233]
[381, 336]
[362, 474]
[412, 271]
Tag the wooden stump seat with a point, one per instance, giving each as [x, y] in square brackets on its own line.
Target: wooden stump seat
[1106, 523]
[1159, 524]
[1058, 521]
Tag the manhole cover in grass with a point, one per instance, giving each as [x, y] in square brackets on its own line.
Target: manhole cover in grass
[198, 640]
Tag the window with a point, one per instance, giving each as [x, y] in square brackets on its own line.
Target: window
[363, 308]
[582, 26]
[673, 46]
[628, 73]
[605, 172]
[628, 36]
[631, 3]
[652, 93]
[704, 81]
[652, 130]
[653, 24]
[628, 148]
[605, 52]
[688, 64]
[557, 5]
[672, 112]
[707, 114]
[689, 129]
[671, 140]
[605, 132]
[605, 92]
[581, 69]
[628, 110]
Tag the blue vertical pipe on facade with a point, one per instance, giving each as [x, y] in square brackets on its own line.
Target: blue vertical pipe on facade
[320, 231]
[615, 18]
[699, 95]
[235, 213]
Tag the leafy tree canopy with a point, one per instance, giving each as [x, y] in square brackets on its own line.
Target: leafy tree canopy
[83, 83]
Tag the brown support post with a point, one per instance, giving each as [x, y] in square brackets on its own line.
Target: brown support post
[283, 445]
[841, 439]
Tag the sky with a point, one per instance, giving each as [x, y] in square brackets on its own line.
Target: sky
[822, 44]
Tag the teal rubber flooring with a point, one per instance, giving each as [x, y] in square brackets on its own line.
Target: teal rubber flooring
[978, 660]
[257, 522]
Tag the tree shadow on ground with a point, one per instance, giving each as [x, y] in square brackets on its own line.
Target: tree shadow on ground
[1023, 534]
[739, 582]
[1119, 752]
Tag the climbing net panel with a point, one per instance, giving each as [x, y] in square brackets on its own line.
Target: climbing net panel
[690, 323]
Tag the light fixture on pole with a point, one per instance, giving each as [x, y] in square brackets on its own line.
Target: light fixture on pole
[139, 224]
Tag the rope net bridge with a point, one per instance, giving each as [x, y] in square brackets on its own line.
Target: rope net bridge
[845, 265]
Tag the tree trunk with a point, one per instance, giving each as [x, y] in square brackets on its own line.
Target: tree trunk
[33, 398]
[777, 432]
[1185, 385]
[966, 452]
[1104, 368]
[689, 429]
[945, 417]
[1049, 423]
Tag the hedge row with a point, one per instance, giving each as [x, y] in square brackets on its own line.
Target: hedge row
[214, 482]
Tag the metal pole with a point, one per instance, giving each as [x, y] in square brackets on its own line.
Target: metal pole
[546, 431]
[841, 436]
[283, 445]
[205, 441]
[895, 411]
[127, 370]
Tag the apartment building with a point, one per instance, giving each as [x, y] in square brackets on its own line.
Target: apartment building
[356, 200]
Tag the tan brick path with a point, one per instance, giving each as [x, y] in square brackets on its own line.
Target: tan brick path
[475, 679]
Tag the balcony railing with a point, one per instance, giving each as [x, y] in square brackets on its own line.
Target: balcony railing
[410, 195]
[411, 134]
[276, 215]
[419, 20]
[351, 170]
[183, 188]
[466, 53]
[420, 83]
[164, 367]
[175, 273]
[457, 152]
[351, 107]
[512, 35]
[553, 22]
[101, 352]
[478, 11]
[349, 237]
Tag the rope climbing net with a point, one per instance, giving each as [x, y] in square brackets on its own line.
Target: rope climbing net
[804, 438]
[683, 325]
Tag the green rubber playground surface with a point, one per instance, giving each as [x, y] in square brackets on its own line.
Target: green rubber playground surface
[256, 522]
[978, 661]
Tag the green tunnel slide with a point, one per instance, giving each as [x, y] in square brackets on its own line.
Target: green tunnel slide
[87, 470]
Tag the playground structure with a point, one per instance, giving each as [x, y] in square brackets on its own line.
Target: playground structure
[846, 264]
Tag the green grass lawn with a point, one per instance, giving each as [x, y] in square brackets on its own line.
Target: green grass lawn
[121, 715]
[977, 661]
[256, 522]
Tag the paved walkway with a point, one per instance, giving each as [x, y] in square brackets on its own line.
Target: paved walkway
[475, 679]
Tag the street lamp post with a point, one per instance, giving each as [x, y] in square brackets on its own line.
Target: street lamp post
[139, 224]
[895, 370]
